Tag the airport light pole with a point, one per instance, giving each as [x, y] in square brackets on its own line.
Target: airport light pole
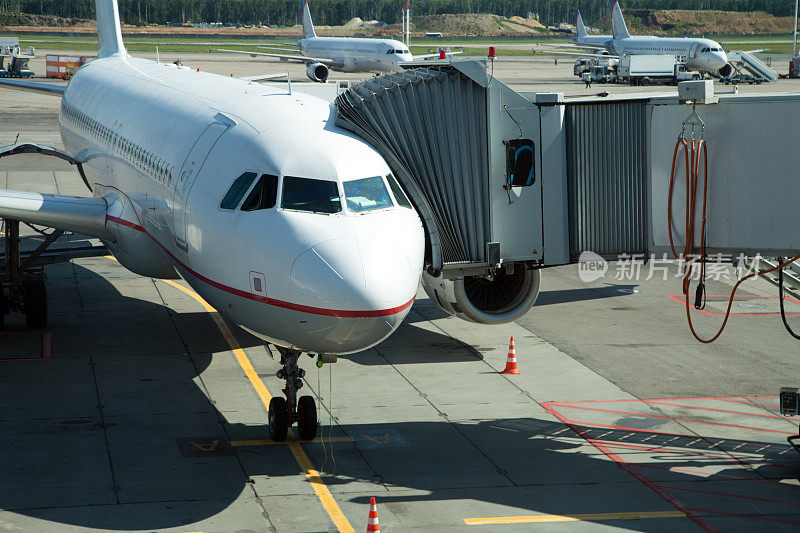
[794, 40]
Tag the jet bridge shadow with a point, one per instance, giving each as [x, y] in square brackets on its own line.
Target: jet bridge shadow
[101, 435]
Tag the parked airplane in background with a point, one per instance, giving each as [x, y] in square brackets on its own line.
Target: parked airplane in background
[704, 55]
[344, 54]
[291, 227]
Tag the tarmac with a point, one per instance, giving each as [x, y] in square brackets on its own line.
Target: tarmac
[139, 409]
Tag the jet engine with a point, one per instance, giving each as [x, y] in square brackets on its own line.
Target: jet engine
[726, 71]
[317, 72]
[496, 298]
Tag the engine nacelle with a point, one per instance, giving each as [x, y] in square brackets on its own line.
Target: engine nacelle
[726, 71]
[497, 299]
[317, 72]
[132, 247]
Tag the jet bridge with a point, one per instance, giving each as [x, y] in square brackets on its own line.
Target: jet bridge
[507, 183]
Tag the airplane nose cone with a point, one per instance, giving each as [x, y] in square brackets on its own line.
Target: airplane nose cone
[360, 289]
[356, 274]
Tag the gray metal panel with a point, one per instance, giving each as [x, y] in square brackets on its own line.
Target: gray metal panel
[430, 125]
[607, 177]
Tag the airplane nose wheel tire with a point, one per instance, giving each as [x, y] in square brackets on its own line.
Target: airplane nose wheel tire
[278, 418]
[307, 418]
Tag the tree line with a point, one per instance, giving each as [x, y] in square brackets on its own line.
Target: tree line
[337, 12]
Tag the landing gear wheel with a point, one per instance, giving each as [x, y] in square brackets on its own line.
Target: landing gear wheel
[307, 417]
[278, 419]
[35, 298]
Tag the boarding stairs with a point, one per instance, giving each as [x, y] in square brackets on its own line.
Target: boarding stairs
[749, 62]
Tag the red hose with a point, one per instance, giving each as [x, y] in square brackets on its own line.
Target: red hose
[692, 153]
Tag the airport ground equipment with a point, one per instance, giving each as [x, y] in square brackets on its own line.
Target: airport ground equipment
[789, 403]
[63, 66]
[17, 62]
[600, 74]
[748, 62]
[794, 67]
[649, 70]
[458, 139]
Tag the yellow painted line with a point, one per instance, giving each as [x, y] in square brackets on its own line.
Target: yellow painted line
[324, 495]
[571, 518]
[267, 442]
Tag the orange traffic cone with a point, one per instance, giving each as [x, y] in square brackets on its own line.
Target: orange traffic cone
[372, 522]
[511, 362]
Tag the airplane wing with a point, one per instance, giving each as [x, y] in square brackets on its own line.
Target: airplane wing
[575, 54]
[279, 49]
[574, 46]
[302, 59]
[32, 86]
[260, 77]
[83, 215]
[426, 56]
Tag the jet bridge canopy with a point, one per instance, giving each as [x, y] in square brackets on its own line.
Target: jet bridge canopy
[470, 153]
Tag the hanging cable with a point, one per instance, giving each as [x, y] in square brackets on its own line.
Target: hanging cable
[783, 311]
[695, 153]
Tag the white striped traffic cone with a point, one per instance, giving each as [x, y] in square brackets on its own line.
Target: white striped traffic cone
[511, 362]
[372, 522]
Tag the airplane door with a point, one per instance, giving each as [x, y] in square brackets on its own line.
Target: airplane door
[693, 50]
[189, 171]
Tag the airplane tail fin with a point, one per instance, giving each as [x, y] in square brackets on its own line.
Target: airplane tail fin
[308, 26]
[109, 29]
[618, 27]
[580, 28]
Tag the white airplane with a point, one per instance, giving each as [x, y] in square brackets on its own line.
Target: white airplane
[704, 55]
[291, 227]
[343, 54]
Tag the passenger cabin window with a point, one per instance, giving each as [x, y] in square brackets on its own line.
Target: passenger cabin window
[263, 195]
[399, 195]
[237, 190]
[305, 194]
[366, 195]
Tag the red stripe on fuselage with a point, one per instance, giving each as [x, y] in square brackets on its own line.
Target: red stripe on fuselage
[339, 313]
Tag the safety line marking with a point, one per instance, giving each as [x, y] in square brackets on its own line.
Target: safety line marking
[324, 495]
[268, 442]
[669, 418]
[571, 518]
[679, 298]
[722, 398]
[661, 402]
[629, 468]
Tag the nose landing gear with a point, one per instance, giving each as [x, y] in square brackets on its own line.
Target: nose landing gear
[283, 412]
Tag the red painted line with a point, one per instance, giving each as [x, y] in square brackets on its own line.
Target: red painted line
[665, 450]
[659, 402]
[624, 465]
[47, 345]
[680, 300]
[690, 420]
[731, 495]
[732, 398]
[338, 313]
[741, 515]
[716, 474]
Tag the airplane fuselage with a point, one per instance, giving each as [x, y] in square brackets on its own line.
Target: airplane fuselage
[320, 265]
[357, 54]
[704, 55]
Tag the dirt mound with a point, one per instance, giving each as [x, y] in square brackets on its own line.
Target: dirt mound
[685, 22]
[26, 19]
[470, 24]
[354, 22]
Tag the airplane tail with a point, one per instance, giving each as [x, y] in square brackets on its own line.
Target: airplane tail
[308, 26]
[580, 28]
[618, 27]
[109, 29]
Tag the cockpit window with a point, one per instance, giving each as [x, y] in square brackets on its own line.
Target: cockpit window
[398, 51]
[237, 190]
[366, 194]
[390, 52]
[305, 194]
[399, 195]
[706, 49]
[263, 195]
